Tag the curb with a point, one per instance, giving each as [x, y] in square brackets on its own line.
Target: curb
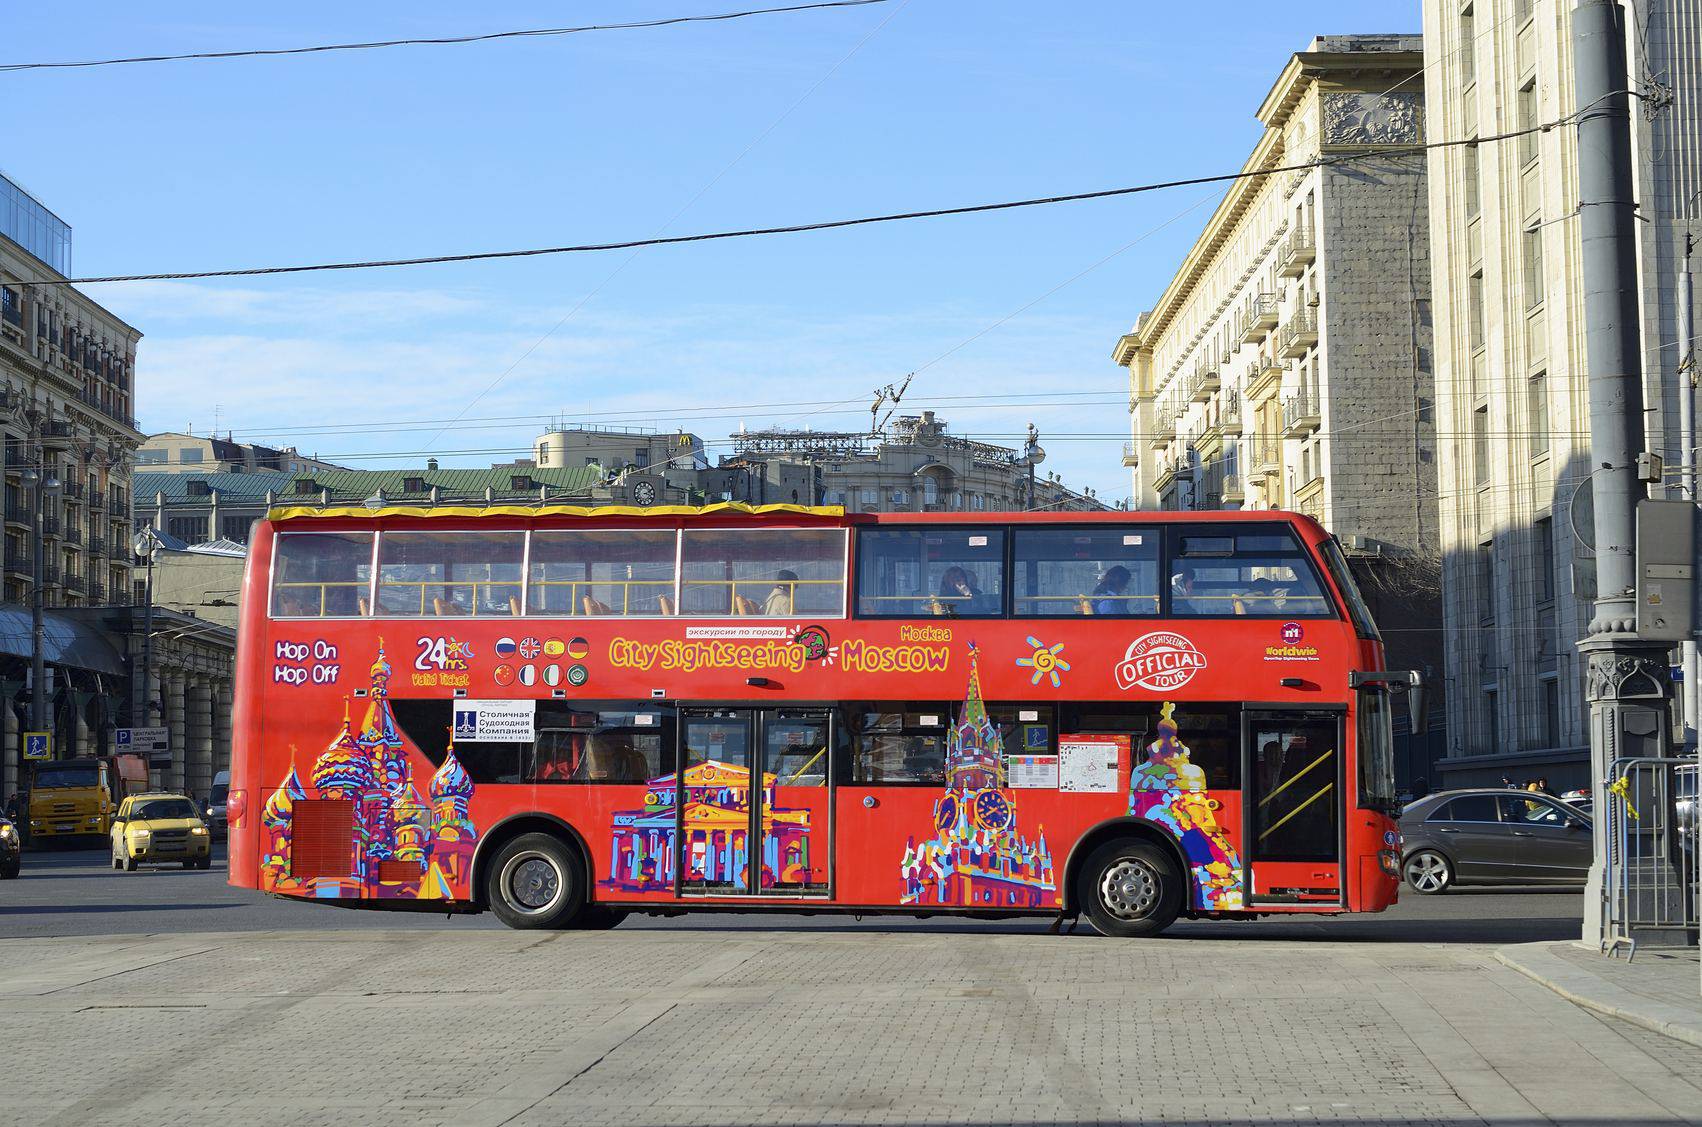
[1537, 961]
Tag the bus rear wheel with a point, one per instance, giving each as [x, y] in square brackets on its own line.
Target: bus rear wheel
[534, 882]
[1130, 889]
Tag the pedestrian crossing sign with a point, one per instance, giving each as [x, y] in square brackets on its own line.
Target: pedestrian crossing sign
[38, 745]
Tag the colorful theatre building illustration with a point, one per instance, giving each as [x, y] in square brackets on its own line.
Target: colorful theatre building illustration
[717, 820]
[976, 857]
[1170, 789]
[362, 829]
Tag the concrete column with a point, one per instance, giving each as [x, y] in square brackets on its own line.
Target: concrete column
[198, 744]
[80, 728]
[223, 702]
[172, 778]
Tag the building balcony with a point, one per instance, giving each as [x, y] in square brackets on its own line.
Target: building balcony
[97, 545]
[73, 536]
[97, 593]
[97, 503]
[1203, 382]
[49, 575]
[56, 432]
[1131, 454]
[1232, 490]
[1168, 471]
[1263, 377]
[74, 583]
[1258, 317]
[1299, 333]
[1297, 253]
[1301, 415]
[18, 512]
[72, 491]
[1266, 457]
[19, 564]
[50, 526]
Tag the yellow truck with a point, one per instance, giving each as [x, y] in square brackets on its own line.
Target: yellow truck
[77, 797]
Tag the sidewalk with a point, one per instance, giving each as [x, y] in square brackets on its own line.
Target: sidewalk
[1659, 989]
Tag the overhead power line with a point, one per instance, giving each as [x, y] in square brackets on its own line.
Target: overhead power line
[444, 41]
[799, 228]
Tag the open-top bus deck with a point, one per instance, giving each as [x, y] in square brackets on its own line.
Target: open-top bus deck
[564, 715]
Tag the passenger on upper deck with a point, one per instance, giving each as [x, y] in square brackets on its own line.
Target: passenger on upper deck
[960, 595]
[781, 599]
[1108, 594]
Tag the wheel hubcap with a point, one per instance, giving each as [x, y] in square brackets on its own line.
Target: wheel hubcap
[1129, 889]
[534, 882]
[1427, 872]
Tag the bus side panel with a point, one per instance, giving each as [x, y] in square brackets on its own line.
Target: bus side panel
[246, 717]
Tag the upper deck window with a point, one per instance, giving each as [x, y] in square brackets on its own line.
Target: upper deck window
[628, 573]
[1111, 570]
[910, 572]
[321, 574]
[1230, 572]
[763, 571]
[449, 573]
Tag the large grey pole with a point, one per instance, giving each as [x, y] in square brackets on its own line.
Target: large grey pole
[1628, 682]
[38, 629]
[1687, 479]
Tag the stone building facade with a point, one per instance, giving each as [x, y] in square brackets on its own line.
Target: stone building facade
[180, 452]
[1287, 365]
[1511, 393]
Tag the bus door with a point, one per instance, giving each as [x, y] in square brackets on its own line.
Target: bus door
[1291, 807]
[770, 837]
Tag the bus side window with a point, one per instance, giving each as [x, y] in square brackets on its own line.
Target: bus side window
[1222, 574]
[1111, 570]
[321, 574]
[898, 743]
[777, 572]
[578, 572]
[450, 574]
[915, 572]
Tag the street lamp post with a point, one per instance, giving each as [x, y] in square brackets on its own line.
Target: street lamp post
[40, 487]
[146, 545]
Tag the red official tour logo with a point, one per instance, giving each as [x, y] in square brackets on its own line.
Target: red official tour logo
[1160, 660]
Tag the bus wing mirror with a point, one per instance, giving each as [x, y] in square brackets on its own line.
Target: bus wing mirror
[1418, 705]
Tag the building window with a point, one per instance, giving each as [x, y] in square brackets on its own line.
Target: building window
[150, 457]
[1473, 193]
[1480, 445]
[930, 490]
[1468, 46]
[1475, 310]
[188, 457]
[871, 497]
[1550, 733]
[1486, 583]
[1542, 531]
[235, 528]
[1527, 110]
[901, 496]
[1530, 247]
[1492, 717]
[192, 530]
[1537, 396]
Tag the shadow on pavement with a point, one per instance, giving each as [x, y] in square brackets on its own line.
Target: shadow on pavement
[103, 909]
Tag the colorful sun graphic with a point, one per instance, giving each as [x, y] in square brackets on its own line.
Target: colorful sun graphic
[1045, 662]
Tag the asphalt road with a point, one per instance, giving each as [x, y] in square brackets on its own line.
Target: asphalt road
[78, 893]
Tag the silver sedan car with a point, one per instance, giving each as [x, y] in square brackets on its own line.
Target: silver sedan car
[1493, 837]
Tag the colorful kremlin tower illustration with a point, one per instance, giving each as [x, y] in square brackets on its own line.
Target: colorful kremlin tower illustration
[399, 845]
[717, 817]
[977, 859]
[1170, 789]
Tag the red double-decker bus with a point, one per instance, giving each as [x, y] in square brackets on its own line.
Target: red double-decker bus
[564, 715]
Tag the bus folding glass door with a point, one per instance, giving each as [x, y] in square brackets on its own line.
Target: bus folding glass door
[1292, 803]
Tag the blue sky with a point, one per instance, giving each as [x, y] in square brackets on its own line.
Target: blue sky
[770, 120]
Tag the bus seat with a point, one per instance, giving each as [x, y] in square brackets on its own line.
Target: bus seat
[592, 606]
[742, 605]
[445, 609]
[1084, 604]
[365, 607]
[514, 605]
[665, 603]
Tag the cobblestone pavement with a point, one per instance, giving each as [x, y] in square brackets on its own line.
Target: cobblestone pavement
[686, 1026]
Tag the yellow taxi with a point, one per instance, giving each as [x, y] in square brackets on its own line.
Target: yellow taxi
[160, 828]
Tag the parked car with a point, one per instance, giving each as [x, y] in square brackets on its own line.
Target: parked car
[160, 828]
[214, 814]
[11, 850]
[1493, 837]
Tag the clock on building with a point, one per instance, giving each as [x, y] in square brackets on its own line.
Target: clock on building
[644, 493]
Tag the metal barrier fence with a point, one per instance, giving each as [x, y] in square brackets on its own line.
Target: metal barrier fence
[1649, 883]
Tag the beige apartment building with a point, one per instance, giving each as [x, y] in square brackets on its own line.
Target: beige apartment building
[1511, 395]
[1287, 365]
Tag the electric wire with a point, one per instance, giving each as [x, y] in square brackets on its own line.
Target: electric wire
[442, 41]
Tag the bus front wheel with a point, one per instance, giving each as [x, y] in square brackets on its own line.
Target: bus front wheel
[534, 882]
[1130, 889]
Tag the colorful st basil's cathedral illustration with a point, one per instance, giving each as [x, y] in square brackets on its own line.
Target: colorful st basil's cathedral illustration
[1170, 789]
[976, 857]
[717, 817]
[400, 845]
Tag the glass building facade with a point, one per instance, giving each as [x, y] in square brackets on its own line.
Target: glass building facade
[26, 222]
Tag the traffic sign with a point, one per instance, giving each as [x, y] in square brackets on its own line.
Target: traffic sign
[38, 745]
[155, 743]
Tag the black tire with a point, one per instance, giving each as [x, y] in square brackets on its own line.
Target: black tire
[1428, 872]
[187, 865]
[129, 863]
[204, 863]
[1130, 889]
[10, 872]
[534, 882]
[116, 863]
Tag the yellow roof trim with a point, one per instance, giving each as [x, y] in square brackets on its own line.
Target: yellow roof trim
[310, 512]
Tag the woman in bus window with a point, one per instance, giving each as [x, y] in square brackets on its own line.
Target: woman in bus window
[1108, 596]
[959, 591]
